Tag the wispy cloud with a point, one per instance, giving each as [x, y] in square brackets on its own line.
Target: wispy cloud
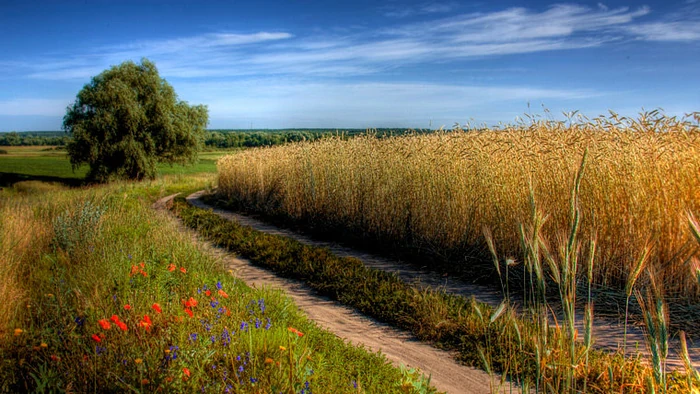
[437, 40]
[666, 31]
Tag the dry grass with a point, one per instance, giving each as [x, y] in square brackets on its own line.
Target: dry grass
[437, 192]
[24, 235]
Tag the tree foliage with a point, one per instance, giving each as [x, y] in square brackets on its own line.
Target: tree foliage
[128, 119]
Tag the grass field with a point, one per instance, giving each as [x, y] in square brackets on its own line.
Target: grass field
[48, 164]
[102, 293]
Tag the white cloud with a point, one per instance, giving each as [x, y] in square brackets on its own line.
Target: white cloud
[437, 40]
[666, 31]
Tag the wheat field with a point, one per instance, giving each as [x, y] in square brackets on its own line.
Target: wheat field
[438, 192]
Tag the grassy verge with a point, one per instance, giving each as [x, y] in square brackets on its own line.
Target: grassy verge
[100, 293]
[531, 353]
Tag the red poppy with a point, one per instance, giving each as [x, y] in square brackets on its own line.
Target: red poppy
[156, 308]
[294, 330]
[96, 338]
[207, 293]
[191, 303]
[146, 323]
[121, 325]
[223, 293]
[104, 324]
[144, 273]
[134, 270]
[183, 270]
[189, 312]
[171, 267]
[127, 307]
[114, 318]
[142, 265]
[186, 372]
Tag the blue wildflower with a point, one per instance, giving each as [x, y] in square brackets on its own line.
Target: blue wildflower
[218, 285]
[225, 337]
[193, 337]
[258, 323]
[261, 304]
[269, 324]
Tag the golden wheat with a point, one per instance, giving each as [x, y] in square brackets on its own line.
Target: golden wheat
[438, 192]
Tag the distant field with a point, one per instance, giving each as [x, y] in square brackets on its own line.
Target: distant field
[48, 164]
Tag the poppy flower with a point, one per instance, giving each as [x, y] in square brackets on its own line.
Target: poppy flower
[190, 303]
[294, 330]
[171, 267]
[96, 338]
[183, 270]
[127, 307]
[186, 372]
[146, 323]
[207, 293]
[121, 325]
[104, 323]
[156, 308]
[134, 270]
[114, 318]
[223, 293]
[18, 331]
[189, 312]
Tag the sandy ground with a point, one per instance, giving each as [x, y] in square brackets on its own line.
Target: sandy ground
[400, 347]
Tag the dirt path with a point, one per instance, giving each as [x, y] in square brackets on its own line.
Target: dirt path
[398, 346]
[607, 334]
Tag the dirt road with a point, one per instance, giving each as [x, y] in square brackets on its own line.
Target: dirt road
[398, 346]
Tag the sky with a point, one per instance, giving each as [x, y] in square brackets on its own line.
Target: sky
[358, 64]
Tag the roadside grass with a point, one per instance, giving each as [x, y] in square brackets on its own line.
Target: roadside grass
[101, 293]
[52, 165]
[529, 349]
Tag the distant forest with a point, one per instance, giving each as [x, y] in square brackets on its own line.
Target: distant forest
[217, 138]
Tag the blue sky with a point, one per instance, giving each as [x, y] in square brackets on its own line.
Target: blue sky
[356, 64]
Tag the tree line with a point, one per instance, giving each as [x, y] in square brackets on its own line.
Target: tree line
[212, 138]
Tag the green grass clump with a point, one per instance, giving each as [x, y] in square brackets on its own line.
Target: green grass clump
[101, 293]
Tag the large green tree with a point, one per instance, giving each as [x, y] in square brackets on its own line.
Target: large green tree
[128, 119]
